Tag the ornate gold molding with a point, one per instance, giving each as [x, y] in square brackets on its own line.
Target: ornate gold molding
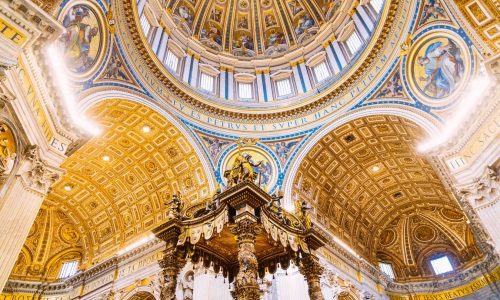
[193, 99]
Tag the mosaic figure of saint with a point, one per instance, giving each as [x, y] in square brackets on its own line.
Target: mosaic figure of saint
[78, 37]
[444, 68]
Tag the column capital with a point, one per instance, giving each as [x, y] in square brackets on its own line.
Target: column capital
[5, 93]
[246, 229]
[312, 271]
[310, 267]
[36, 174]
[482, 189]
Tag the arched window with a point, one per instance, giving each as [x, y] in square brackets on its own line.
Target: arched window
[386, 268]
[68, 269]
[441, 264]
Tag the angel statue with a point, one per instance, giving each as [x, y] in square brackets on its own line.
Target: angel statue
[302, 212]
[175, 207]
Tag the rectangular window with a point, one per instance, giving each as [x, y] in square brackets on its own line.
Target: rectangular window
[387, 269]
[172, 61]
[207, 82]
[354, 43]
[321, 72]
[377, 4]
[68, 269]
[283, 87]
[146, 27]
[245, 90]
[441, 265]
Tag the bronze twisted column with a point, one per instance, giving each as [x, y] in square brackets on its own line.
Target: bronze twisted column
[312, 270]
[172, 263]
[246, 285]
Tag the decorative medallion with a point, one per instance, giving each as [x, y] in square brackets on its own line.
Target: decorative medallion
[251, 159]
[424, 233]
[84, 39]
[387, 237]
[452, 215]
[438, 68]
[68, 234]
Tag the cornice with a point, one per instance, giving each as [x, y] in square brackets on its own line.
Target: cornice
[14, 286]
[489, 264]
[94, 272]
[38, 20]
[191, 98]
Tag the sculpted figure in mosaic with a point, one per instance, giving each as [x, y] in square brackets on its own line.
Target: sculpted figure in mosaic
[242, 170]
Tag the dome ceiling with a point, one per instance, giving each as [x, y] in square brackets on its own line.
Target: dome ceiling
[252, 27]
[116, 185]
[371, 189]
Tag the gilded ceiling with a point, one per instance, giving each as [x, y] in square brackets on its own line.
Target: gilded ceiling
[253, 27]
[52, 240]
[116, 185]
[374, 191]
[484, 17]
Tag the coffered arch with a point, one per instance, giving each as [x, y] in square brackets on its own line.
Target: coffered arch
[117, 184]
[92, 97]
[430, 127]
[365, 176]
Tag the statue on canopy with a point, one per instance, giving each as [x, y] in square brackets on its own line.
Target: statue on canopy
[175, 207]
[242, 168]
[302, 212]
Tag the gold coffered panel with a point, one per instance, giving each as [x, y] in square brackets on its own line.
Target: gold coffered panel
[117, 184]
[484, 17]
[363, 175]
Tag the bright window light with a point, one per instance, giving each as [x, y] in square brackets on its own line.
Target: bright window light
[441, 265]
[387, 269]
[377, 4]
[63, 85]
[68, 269]
[136, 244]
[471, 96]
[354, 43]
[284, 87]
[207, 82]
[172, 61]
[245, 90]
[145, 25]
[321, 72]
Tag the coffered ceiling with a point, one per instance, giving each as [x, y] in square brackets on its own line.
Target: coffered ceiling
[366, 176]
[116, 185]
